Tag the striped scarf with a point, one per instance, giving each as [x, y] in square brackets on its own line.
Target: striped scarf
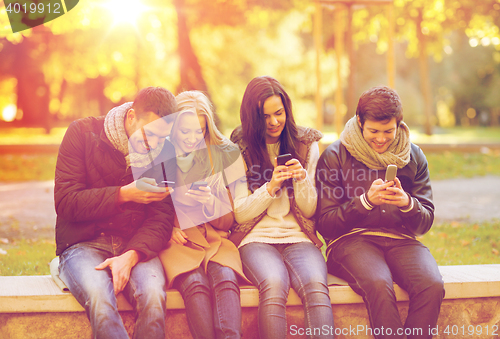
[114, 127]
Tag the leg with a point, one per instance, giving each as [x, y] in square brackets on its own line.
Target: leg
[264, 266]
[92, 288]
[307, 269]
[416, 271]
[195, 290]
[227, 303]
[146, 291]
[362, 259]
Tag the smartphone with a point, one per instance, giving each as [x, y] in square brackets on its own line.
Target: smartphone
[390, 173]
[282, 159]
[166, 183]
[197, 184]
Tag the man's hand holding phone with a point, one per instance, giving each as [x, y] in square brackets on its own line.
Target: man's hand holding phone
[388, 191]
[143, 191]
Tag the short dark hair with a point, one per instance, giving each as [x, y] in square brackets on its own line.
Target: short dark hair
[154, 99]
[379, 103]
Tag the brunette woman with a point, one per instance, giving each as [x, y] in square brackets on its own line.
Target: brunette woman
[274, 210]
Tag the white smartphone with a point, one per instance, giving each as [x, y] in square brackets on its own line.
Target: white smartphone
[390, 173]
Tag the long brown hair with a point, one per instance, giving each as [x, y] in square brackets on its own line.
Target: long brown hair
[253, 124]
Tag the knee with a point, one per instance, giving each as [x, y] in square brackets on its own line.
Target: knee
[434, 288]
[225, 278]
[193, 283]
[378, 286]
[274, 286]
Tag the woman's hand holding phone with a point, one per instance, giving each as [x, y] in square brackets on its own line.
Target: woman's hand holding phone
[202, 194]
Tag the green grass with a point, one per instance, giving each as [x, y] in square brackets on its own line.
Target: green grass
[449, 165]
[26, 167]
[464, 243]
[457, 135]
[26, 257]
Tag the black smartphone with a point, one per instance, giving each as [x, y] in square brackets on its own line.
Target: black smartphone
[282, 159]
[197, 184]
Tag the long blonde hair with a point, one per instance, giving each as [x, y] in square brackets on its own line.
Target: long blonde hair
[218, 145]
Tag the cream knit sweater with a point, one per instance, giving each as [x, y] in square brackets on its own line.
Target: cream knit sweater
[278, 226]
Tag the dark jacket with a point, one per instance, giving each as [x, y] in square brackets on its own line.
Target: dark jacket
[89, 174]
[341, 180]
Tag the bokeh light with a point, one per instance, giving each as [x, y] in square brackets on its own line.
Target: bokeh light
[9, 113]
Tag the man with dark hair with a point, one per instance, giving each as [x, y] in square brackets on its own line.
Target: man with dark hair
[111, 223]
[371, 225]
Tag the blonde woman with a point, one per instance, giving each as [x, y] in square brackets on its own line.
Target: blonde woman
[200, 261]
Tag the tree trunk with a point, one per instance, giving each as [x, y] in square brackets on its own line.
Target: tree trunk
[33, 94]
[425, 85]
[190, 69]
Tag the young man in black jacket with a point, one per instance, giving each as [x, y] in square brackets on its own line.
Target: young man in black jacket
[371, 225]
[111, 222]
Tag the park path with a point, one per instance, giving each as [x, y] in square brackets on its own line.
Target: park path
[27, 209]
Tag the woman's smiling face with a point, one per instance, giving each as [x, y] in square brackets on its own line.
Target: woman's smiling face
[275, 116]
[189, 132]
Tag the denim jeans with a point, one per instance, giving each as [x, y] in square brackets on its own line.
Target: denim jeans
[273, 268]
[146, 289]
[372, 263]
[212, 301]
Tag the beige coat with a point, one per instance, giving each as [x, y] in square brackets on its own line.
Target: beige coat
[206, 242]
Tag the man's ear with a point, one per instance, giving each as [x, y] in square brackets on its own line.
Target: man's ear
[359, 122]
[131, 115]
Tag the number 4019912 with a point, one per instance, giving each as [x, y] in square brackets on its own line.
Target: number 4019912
[34, 8]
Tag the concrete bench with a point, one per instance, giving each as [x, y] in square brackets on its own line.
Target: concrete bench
[35, 307]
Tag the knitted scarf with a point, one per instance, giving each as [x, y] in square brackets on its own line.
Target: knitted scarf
[397, 154]
[114, 127]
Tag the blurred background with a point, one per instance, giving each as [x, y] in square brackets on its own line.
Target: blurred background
[442, 56]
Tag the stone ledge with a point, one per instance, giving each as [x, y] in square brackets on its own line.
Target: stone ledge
[25, 294]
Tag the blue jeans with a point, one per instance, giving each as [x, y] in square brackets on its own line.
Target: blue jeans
[146, 289]
[273, 268]
[212, 301]
[371, 263]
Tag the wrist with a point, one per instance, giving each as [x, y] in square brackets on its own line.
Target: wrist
[122, 196]
[270, 189]
[409, 206]
[134, 256]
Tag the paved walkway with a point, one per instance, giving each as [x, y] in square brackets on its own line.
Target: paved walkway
[27, 209]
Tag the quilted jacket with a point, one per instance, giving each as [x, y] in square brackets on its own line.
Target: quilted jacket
[341, 180]
[89, 174]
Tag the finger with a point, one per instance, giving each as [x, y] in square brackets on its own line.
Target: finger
[150, 181]
[398, 183]
[103, 265]
[118, 286]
